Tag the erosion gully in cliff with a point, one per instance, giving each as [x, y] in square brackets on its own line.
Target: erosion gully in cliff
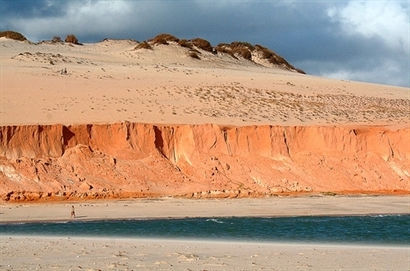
[57, 162]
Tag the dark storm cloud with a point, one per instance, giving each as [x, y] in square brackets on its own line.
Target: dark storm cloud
[30, 8]
[322, 37]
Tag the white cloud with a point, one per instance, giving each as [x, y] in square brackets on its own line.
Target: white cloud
[387, 20]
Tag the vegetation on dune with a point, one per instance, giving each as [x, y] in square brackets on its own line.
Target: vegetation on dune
[185, 43]
[194, 54]
[13, 35]
[203, 44]
[143, 45]
[242, 44]
[225, 48]
[71, 38]
[236, 48]
[245, 53]
[243, 49]
[164, 39]
[56, 39]
[274, 58]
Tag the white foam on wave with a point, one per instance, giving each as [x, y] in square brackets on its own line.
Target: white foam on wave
[215, 220]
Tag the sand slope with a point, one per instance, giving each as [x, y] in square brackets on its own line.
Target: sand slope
[110, 81]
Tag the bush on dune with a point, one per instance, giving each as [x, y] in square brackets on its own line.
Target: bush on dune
[203, 44]
[12, 35]
[226, 49]
[185, 43]
[243, 49]
[163, 39]
[194, 55]
[56, 39]
[143, 45]
[274, 58]
[71, 39]
[244, 52]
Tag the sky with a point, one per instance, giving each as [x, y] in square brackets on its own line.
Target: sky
[344, 39]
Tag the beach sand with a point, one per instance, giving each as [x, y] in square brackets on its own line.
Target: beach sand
[62, 253]
[89, 253]
[178, 208]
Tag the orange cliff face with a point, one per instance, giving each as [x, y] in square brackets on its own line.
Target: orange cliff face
[57, 162]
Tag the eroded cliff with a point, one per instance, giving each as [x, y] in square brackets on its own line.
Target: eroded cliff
[57, 162]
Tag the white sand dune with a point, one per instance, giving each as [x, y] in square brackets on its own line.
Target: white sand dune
[110, 81]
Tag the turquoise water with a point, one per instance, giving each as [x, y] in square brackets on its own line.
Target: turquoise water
[379, 229]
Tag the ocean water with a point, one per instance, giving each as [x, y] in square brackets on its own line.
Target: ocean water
[375, 229]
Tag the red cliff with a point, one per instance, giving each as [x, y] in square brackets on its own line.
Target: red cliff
[40, 162]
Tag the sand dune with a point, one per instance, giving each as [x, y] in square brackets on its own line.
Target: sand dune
[110, 81]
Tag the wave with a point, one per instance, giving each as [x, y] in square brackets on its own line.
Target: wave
[215, 220]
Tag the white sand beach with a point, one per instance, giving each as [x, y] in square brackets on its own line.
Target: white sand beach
[62, 253]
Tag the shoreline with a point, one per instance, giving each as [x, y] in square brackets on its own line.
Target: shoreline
[171, 208]
[278, 243]
[189, 217]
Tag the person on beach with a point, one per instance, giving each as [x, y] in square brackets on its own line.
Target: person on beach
[72, 211]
